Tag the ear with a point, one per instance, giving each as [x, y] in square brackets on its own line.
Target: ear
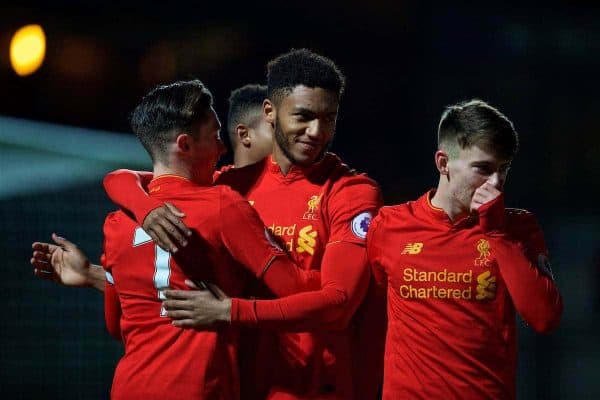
[183, 142]
[242, 133]
[269, 112]
[441, 162]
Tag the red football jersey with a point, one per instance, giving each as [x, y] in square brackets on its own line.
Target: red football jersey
[321, 214]
[452, 294]
[313, 210]
[162, 361]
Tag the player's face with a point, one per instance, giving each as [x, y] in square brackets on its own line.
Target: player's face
[472, 168]
[207, 146]
[305, 124]
[261, 136]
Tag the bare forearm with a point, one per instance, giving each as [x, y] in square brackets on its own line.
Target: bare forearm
[96, 277]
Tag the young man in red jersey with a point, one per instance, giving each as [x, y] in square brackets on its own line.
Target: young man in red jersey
[321, 210]
[457, 264]
[180, 130]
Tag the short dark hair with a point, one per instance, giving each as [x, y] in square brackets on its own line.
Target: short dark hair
[245, 107]
[168, 110]
[475, 122]
[302, 67]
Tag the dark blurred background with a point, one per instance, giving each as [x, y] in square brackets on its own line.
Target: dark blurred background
[404, 62]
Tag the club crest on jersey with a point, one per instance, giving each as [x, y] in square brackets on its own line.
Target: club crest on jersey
[360, 224]
[483, 247]
[272, 239]
[312, 211]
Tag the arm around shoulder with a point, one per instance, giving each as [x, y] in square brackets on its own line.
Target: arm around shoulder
[126, 189]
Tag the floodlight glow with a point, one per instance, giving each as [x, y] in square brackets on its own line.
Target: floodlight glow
[27, 49]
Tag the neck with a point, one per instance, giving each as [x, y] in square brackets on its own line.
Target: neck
[443, 199]
[281, 159]
[182, 170]
[242, 158]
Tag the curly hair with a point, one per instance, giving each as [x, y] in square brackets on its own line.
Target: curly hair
[302, 67]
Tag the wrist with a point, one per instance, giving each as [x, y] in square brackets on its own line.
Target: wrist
[226, 310]
[96, 276]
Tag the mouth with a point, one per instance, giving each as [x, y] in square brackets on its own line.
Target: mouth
[308, 146]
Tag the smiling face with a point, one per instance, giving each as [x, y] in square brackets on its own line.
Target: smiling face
[304, 123]
[469, 168]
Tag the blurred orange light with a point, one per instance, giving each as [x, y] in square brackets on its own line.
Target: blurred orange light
[27, 49]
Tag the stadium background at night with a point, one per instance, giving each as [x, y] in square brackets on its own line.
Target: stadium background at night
[63, 126]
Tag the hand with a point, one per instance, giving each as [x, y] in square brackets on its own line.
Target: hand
[488, 202]
[63, 263]
[165, 227]
[197, 308]
[483, 195]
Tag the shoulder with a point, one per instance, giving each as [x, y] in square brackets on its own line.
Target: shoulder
[115, 219]
[116, 225]
[342, 177]
[241, 179]
[383, 227]
[390, 215]
[227, 194]
[333, 167]
[231, 174]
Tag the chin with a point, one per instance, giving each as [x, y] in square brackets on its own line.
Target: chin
[307, 160]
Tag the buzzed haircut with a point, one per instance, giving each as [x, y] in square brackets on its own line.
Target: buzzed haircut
[167, 111]
[302, 67]
[476, 123]
[245, 107]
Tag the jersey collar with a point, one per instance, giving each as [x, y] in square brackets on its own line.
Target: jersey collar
[295, 172]
[162, 182]
[438, 215]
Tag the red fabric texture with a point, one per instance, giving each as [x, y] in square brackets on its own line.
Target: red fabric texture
[453, 291]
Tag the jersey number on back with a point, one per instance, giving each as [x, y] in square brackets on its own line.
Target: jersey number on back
[162, 267]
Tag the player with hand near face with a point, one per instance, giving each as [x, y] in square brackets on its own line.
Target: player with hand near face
[458, 265]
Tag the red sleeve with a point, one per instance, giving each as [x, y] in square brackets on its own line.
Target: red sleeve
[525, 269]
[126, 189]
[351, 206]
[252, 244]
[374, 248]
[344, 282]
[112, 306]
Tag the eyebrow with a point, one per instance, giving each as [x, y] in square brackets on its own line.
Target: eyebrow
[298, 110]
[304, 110]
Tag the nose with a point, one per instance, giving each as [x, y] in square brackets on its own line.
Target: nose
[315, 129]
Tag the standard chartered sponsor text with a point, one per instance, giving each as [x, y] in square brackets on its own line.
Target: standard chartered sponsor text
[434, 291]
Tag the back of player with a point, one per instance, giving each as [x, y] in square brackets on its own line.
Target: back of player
[162, 361]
